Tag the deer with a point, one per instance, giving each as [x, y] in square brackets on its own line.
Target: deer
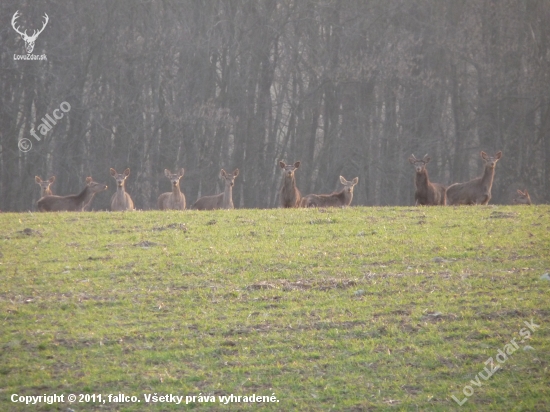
[174, 199]
[29, 40]
[220, 201]
[71, 203]
[335, 199]
[523, 198]
[289, 194]
[476, 191]
[427, 193]
[45, 189]
[121, 200]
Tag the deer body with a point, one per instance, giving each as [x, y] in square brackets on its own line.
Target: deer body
[336, 199]
[523, 198]
[427, 193]
[71, 203]
[45, 185]
[477, 191]
[289, 194]
[175, 199]
[121, 200]
[220, 201]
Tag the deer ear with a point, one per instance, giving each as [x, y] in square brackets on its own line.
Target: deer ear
[483, 154]
[222, 173]
[526, 192]
[282, 164]
[297, 165]
[355, 181]
[112, 171]
[51, 179]
[89, 179]
[181, 172]
[236, 172]
[520, 192]
[37, 179]
[498, 155]
[427, 158]
[127, 172]
[412, 159]
[167, 173]
[342, 180]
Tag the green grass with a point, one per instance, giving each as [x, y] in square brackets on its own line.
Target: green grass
[352, 309]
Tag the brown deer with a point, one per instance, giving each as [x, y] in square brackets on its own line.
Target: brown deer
[523, 198]
[427, 193]
[289, 194]
[72, 203]
[45, 185]
[335, 199]
[174, 199]
[220, 201]
[121, 200]
[477, 191]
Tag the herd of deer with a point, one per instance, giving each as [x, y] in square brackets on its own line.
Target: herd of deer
[121, 200]
[474, 192]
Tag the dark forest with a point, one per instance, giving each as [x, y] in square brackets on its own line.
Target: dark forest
[349, 88]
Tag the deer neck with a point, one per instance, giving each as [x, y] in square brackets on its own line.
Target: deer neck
[290, 183]
[176, 191]
[85, 196]
[421, 178]
[120, 191]
[488, 176]
[345, 196]
[228, 197]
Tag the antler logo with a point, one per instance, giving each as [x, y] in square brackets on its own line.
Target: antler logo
[29, 40]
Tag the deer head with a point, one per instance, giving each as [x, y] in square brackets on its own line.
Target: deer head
[491, 161]
[174, 177]
[523, 198]
[289, 169]
[229, 177]
[348, 186]
[29, 40]
[94, 186]
[45, 184]
[120, 177]
[419, 164]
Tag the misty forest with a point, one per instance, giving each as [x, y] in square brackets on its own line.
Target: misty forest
[349, 88]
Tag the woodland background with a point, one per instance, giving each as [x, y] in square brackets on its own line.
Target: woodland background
[348, 87]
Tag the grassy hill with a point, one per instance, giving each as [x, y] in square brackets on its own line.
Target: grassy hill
[339, 309]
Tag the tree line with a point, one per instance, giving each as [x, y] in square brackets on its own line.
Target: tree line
[349, 88]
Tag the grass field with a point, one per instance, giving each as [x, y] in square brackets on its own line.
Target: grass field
[358, 309]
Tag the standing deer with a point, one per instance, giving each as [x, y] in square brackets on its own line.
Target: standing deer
[427, 193]
[174, 199]
[72, 203]
[220, 201]
[289, 194]
[335, 199]
[45, 185]
[121, 200]
[523, 198]
[477, 191]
